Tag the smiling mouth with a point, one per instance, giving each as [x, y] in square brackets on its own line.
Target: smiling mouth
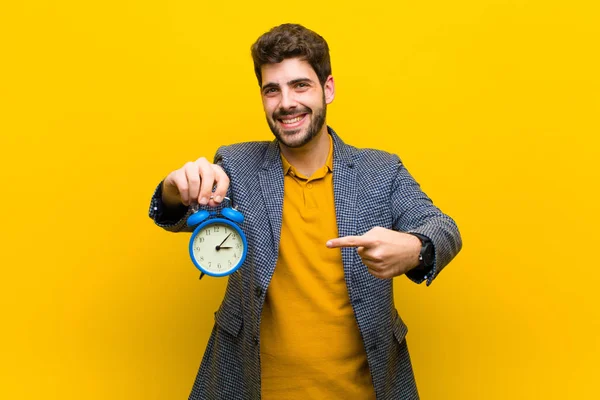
[290, 122]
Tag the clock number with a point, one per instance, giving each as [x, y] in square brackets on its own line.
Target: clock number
[219, 265]
[229, 263]
[201, 258]
[216, 229]
[210, 264]
[207, 232]
[200, 240]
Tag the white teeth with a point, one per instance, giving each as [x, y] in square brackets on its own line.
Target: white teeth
[291, 121]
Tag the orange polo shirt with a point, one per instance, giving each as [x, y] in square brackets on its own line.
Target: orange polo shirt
[311, 347]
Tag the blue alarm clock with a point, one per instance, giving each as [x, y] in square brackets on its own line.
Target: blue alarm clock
[218, 246]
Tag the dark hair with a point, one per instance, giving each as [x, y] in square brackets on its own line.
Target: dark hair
[291, 41]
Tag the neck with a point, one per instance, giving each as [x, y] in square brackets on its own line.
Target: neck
[310, 157]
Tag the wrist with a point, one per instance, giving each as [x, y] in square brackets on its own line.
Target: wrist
[426, 253]
[415, 251]
[168, 199]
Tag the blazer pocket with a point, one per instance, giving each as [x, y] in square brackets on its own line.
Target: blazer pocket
[400, 329]
[229, 320]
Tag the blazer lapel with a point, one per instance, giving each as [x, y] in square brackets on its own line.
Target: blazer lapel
[344, 192]
[271, 185]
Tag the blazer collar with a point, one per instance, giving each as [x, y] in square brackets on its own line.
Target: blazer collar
[342, 154]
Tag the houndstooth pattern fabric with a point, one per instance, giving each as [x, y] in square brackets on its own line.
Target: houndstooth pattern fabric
[371, 188]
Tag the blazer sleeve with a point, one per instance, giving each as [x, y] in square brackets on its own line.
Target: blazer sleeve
[172, 220]
[414, 212]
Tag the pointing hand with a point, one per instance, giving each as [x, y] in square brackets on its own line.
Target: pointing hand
[385, 252]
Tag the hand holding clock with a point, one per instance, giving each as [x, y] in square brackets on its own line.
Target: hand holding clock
[193, 183]
[385, 252]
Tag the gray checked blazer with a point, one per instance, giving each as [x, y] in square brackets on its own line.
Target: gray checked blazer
[371, 188]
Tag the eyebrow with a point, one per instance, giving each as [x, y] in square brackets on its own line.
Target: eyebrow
[289, 83]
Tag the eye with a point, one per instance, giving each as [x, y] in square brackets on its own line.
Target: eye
[271, 91]
[302, 86]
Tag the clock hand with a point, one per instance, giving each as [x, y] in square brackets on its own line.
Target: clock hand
[219, 246]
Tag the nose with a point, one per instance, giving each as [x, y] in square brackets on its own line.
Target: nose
[288, 100]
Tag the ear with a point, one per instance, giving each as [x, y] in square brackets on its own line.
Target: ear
[329, 90]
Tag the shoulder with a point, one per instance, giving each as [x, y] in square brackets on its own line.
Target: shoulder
[244, 148]
[365, 158]
[245, 151]
[369, 162]
[249, 155]
[373, 161]
[374, 156]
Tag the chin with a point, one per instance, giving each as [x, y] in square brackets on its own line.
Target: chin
[295, 139]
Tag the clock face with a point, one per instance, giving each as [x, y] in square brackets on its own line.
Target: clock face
[218, 248]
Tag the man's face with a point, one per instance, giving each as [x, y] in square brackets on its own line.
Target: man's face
[295, 103]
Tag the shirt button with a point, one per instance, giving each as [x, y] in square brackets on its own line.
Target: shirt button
[373, 347]
[292, 173]
[255, 340]
[309, 185]
[258, 291]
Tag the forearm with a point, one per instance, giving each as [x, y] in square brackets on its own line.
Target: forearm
[415, 212]
[446, 240]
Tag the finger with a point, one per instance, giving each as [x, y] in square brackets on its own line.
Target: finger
[349, 241]
[379, 274]
[181, 184]
[370, 260]
[222, 182]
[193, 181]
[364, 253]
[373, 265]
[370, 254]
[207, 177]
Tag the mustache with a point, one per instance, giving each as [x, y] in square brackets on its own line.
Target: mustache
[284, 113]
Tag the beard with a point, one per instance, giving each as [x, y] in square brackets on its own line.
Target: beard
[296, 138]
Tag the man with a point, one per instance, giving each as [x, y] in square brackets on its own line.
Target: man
[310, 314]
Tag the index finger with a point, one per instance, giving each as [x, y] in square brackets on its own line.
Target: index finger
[348, 241]
[207, 177]
[221, 184]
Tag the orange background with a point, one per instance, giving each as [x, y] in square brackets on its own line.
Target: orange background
[493, 105]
